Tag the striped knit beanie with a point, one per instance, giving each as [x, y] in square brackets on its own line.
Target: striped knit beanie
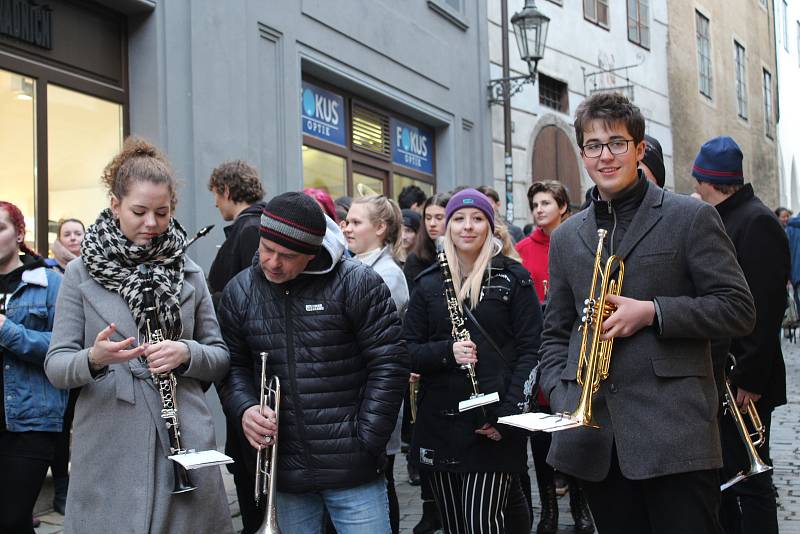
[295, 221]
[720, 162]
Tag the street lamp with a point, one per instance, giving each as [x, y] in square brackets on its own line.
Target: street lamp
[530, 25]
[530, 29]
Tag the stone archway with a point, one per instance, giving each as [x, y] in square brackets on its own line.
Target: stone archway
[554, 159]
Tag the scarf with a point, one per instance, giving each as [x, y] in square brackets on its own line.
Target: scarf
[113, 260]
[61, 254]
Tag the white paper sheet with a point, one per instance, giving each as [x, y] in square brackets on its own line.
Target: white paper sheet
[538, 421]
[198, 459]
[478, 400]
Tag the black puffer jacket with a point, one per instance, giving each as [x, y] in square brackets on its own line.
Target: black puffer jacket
[510, 313]
[333, 338]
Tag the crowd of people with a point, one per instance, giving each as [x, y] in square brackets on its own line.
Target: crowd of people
[380, 318]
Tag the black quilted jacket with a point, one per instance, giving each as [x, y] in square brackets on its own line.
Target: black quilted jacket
[334, 339]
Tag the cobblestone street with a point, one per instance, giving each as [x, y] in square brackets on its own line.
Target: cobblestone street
[785, 444]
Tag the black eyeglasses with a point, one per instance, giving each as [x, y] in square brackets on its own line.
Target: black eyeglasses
[616, 147]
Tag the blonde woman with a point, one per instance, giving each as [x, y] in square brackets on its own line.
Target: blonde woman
[473, 461]
[373, 235]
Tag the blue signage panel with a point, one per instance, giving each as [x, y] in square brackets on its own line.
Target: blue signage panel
[323, 114]
[412, 147]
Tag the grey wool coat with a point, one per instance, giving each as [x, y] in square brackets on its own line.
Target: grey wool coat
[659, 403]
[121, 479]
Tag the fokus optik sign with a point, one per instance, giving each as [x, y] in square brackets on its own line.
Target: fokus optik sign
[412, 146]
[322, 114]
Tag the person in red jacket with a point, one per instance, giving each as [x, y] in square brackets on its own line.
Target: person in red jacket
[549, 205]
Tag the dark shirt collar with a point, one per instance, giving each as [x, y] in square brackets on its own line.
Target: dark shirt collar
[627, 201]
[735, 200]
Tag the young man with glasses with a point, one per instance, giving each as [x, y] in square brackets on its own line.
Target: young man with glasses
[652, 464]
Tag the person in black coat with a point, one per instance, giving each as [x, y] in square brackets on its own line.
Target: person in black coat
[474, 462]
[332, 334]
[237, 195]
[762, 251]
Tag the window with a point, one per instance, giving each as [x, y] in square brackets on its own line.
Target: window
[768, 103]
[324, 171]
[741, 80]
[83, 134]
[783, 32]
[705, 77]
[798, 43]
[452, 10]
[18, 150]
[553, 94]
[596, 11]
[638, 26]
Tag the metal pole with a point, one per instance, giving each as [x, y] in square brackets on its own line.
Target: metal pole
[509, 170]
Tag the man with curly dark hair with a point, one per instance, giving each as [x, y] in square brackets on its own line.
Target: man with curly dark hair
[237, 195]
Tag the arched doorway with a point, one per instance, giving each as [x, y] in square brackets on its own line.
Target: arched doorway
[554, 159]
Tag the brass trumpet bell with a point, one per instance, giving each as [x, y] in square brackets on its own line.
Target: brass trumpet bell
[595, 356]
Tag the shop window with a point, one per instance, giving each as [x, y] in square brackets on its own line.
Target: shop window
[399, 181]
[325, 171]
[365, 185]
[18, 146]
[83, 134]
[553, 93]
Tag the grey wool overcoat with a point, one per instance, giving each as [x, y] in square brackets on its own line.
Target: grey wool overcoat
[121, 479]
[659, 403]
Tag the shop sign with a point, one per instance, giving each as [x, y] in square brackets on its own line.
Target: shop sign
[412, 147]
[323, 114]
[28, 22]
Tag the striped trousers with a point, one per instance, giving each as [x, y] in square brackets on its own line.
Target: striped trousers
[472, 503]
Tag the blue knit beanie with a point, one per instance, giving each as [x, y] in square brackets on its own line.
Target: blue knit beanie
[719, 161]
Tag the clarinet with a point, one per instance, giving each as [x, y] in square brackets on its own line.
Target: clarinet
[166, 384]
[459, 331]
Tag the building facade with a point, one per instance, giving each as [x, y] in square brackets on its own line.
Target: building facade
[787, 37]
[722, 82]
[592, 46]
[364, 95]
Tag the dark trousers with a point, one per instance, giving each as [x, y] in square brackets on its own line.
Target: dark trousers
[21, 478]
[391, 493]
[685, 503]
[60, 466]
[749, 506]
[244, 477]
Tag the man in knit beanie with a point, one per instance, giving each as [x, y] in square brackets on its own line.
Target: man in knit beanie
[652, 163]
[331, 334]
[759, 374]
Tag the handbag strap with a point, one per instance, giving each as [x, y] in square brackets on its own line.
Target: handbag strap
[485, 334]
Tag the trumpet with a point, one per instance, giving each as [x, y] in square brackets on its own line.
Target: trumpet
[595, 358]
[751, 439]
[267, 458]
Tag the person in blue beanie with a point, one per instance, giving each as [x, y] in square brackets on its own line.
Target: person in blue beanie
[759, 375]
